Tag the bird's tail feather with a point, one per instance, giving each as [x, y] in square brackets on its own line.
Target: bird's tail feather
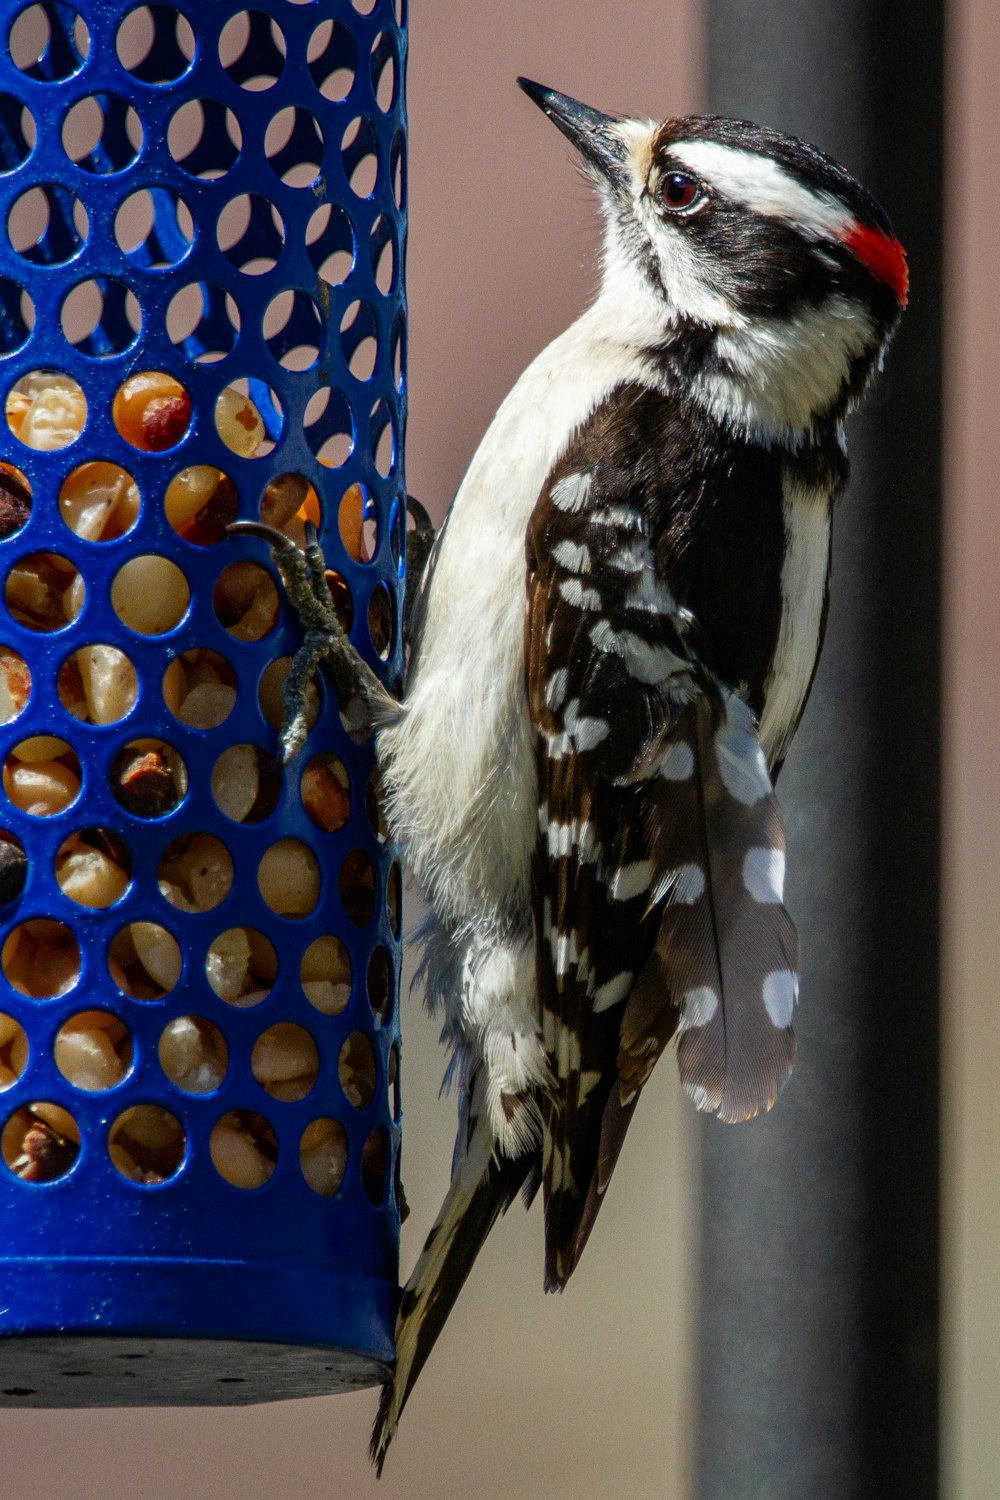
[469, 1211]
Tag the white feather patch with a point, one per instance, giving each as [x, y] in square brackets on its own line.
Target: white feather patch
[651, 595]
[611, 992]
[779, 373]
[572, 555]
[764, 875]
[584, 731]
[461, 793]
[574, 592]
[629, 881]
[685, 885]
[632, 557]
[575, 838]
[570, 493]
[739, 757]
[567, 1052]
[676, 763]
[587, 1083]
[555, 688]
[646, 663]
[780, 992]
[698, 1007]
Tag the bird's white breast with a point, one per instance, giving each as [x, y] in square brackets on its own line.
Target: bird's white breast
[459, 763]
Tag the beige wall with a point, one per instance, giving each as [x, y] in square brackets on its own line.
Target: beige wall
[972, 749]
[535, 1398]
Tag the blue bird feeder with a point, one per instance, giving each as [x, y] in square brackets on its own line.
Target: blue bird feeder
[202, 317]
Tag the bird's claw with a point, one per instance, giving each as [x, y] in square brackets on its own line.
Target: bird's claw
[270, 534]
[303, 573]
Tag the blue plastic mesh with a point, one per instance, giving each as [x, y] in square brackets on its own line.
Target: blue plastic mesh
[217, 194]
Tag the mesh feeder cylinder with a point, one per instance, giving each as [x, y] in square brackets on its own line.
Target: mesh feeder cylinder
[202, 318]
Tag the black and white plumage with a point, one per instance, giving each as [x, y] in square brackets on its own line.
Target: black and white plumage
[617, 638]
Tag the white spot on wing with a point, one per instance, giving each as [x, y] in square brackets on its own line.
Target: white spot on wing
[589, 732]
[587, 1083]
[699, 1006]
[651, 595]
[555, 688]
[580, 597]
[570, 493]
[629, 881]
[576, 838]
[683, 885]
[739, 757]
[643, 661]
[630, 557]
[572, 555]
[618, 517]
[584, 731]
[764, 875]
[780, 992]
[677, 762]
[565, 955]
[611, 992]
[567, 1052]
[560, 1176]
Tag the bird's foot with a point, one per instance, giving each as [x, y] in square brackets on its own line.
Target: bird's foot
[363, 698]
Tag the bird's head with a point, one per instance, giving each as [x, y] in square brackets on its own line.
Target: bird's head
[752, 258]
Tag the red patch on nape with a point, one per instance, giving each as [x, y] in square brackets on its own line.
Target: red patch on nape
[882, 254]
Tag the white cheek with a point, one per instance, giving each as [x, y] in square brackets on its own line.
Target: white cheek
[684, 272]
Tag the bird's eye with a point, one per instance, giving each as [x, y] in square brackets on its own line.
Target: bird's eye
[679, 192]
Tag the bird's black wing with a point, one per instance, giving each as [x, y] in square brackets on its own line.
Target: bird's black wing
[659, 865]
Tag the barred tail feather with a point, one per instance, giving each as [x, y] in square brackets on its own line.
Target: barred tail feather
[471, 1207]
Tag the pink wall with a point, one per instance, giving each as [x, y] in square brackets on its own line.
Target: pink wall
[971, 206]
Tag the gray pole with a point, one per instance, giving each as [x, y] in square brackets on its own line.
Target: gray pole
[818, 1332]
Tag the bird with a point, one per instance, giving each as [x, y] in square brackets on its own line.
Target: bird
[613, 643]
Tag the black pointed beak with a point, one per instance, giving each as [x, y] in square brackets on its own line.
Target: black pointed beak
[593, 134]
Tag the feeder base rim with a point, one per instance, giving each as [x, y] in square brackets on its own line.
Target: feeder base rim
[127, 1331]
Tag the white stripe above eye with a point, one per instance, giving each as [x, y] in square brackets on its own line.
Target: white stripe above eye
[764, 187]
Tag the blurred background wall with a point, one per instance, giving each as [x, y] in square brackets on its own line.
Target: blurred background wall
[589, 1394]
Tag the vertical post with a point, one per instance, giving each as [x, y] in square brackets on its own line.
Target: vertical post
[818, 1332]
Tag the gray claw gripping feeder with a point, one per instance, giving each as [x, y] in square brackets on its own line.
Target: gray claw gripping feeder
[201, 318]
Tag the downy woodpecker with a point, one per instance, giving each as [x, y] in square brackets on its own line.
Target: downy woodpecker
[615, 640]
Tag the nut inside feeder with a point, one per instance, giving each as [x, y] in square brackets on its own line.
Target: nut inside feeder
[201, 319]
